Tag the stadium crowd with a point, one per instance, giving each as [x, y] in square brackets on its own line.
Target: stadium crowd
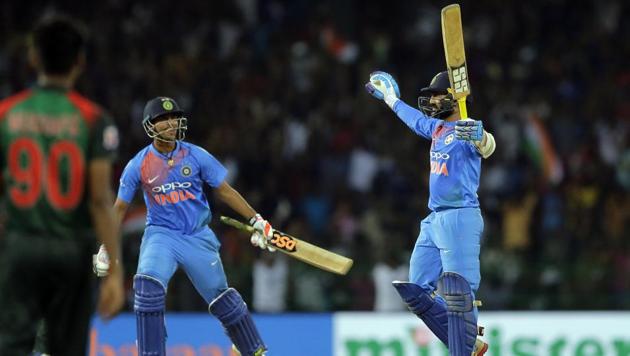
[274, 89]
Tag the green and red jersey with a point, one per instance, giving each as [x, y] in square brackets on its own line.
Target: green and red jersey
[48, 136]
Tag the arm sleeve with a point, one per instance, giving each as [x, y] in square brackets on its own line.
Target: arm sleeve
[129, 181]
[416, 120]
[212, 171]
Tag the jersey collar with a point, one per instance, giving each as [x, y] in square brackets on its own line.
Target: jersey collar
[51, 87]
[166, 156]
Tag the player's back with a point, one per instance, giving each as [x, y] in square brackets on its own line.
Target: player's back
[46, 144]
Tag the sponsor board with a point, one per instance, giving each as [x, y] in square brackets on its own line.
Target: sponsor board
[380, 334]
[518, 334]
[202, 335]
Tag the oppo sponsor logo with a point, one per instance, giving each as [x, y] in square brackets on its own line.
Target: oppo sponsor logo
[171, 186]
[438, 167]
[440, 155]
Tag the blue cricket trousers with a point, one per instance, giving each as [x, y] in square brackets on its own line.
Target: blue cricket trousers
[164, 250]
[449, 241]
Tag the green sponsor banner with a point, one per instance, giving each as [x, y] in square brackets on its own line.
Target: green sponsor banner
[517, 334]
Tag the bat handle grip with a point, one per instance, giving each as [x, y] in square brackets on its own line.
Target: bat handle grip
[463, 113]
[237, 224]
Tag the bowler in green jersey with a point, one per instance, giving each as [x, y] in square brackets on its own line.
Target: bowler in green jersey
[56, 149]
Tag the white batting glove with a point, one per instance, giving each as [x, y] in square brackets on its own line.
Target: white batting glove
[100, 262]
[264, 232]
[383, 87]
[258, 240]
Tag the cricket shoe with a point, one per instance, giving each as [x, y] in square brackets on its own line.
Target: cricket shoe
[259, 352]
[480, 348]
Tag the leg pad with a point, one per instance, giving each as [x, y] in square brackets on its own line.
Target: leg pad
[431, 310]
[231, 310]
[462, 322]
[148, 305]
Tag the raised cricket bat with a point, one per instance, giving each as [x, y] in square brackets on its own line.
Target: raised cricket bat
[302, 250]
[453, 36]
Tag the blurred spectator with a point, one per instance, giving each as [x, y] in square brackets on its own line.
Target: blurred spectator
[517, 219]
[384, 272]
[270, 277]
[279, 85]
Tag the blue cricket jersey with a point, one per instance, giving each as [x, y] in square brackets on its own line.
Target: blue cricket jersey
[455, 164]
[173, 194]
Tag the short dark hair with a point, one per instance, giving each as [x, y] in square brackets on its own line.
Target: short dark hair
[58, 41]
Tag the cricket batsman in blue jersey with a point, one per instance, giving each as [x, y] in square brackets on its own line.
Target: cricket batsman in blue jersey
[171, 174]
[446, 254]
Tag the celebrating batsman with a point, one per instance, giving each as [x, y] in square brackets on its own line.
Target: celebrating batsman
[172, 173]
[446, 254]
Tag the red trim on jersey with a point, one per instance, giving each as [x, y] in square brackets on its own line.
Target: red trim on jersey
[438, 131]
[153, 171]
[89, 110]
[8, 103]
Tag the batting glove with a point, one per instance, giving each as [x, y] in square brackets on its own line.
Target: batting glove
[469, 130]
[100, 262]
[258, 240]
[263, 233]
[383, 87]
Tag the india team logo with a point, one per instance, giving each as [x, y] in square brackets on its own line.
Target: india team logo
[448, 139]
[186, 171]
[167, 105]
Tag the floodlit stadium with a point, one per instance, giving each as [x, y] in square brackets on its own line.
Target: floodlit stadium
[486, 172]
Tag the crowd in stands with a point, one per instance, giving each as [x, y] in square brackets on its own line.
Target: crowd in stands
[274, 89]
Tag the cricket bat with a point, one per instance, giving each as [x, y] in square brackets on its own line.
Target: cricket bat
[453, 37]
[299, 249]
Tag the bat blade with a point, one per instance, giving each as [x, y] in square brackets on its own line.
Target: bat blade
[300, 249]
[453, 37]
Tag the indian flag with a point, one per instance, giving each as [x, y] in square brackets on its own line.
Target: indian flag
[539, 148]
